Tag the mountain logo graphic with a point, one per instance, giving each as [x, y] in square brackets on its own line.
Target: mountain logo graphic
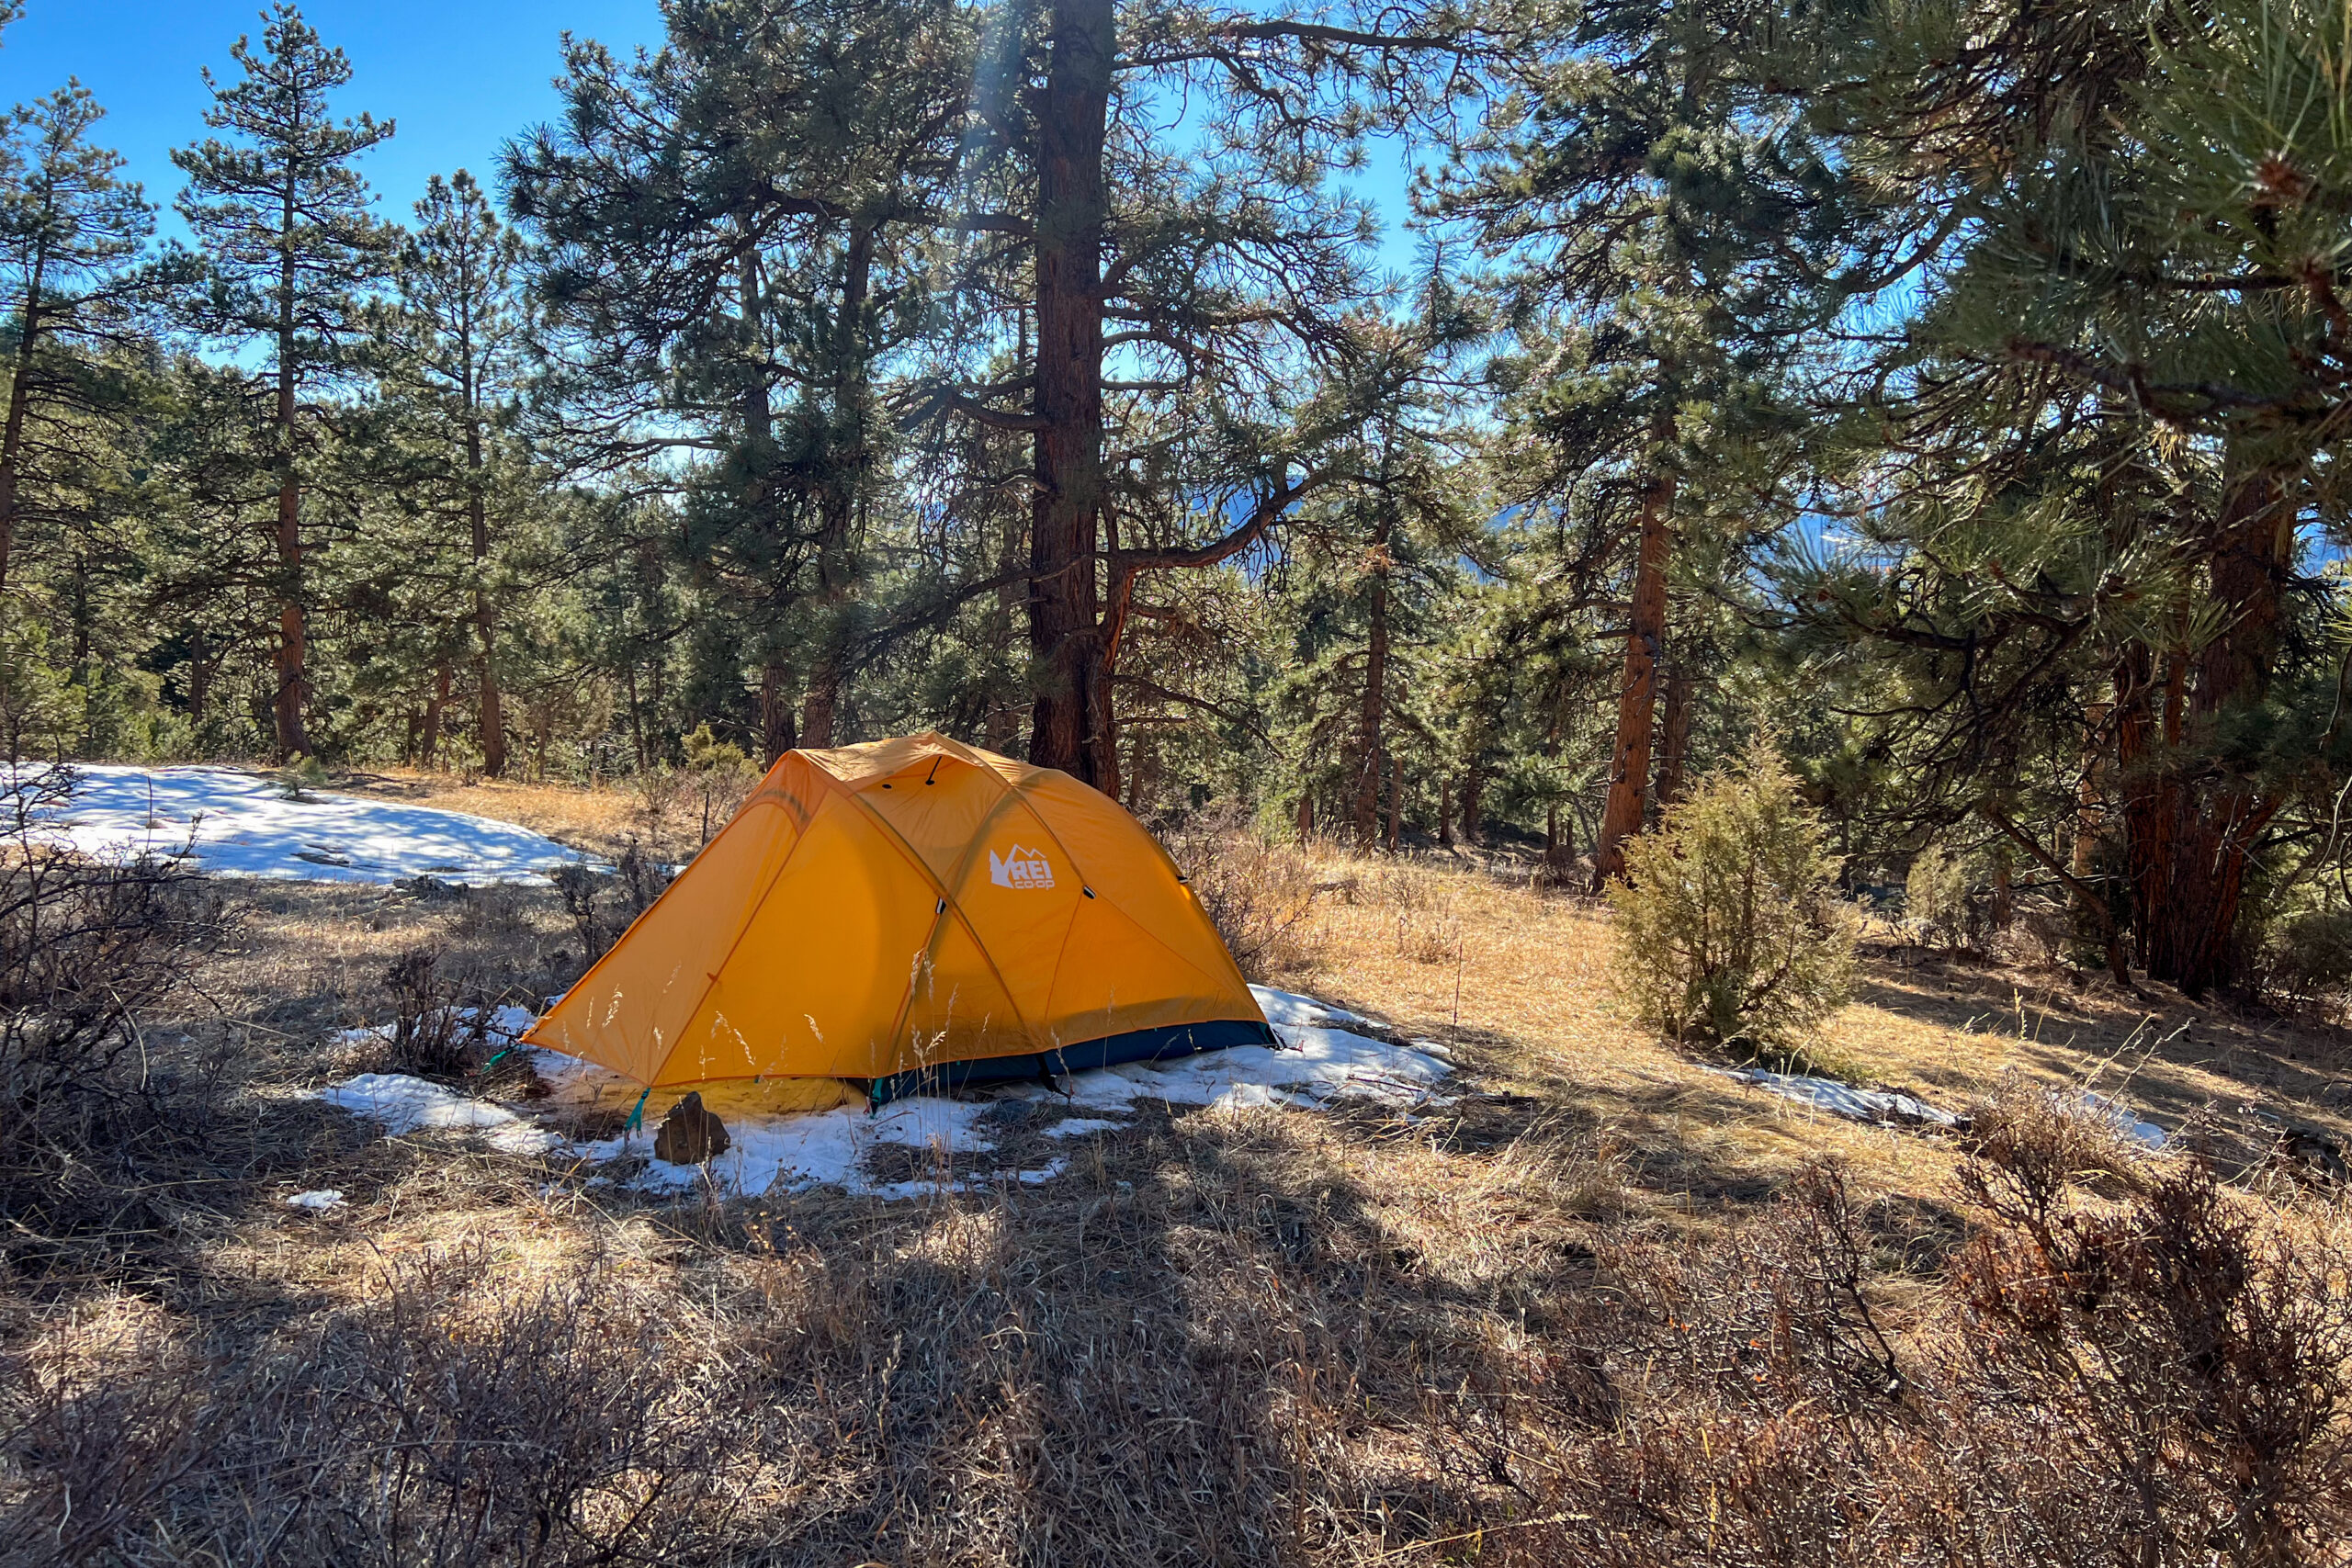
[1020, 868]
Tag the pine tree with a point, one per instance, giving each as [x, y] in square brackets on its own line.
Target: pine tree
[1674, 234]
[458, 351]
[284, 222]
[70, 229]
[2118, 415]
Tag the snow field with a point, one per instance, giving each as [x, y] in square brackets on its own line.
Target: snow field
[227, 823]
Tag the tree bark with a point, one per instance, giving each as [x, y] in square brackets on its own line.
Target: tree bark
[199, 678]
[1629, 773]
[293, 627]
[12, 435]
[492, 717]
[1674, 740]
[2191, 817]
[1369, 739]
[428, 749]
[1396, 803]
[2090, 820]
[838, 501]
[776, 713]
[1559, 852]
[1070, 724]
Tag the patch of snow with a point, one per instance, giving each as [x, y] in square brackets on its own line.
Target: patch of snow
[404, 1104]
[228, 823]
[322, 1199]
[1290, 1008]
[1877, 1105]
[2114, 1112]
[1071, 1127]
[792, 1152]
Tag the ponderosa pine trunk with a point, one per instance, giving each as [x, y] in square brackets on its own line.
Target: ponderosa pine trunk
[428, 749]
[2090, 820]
[12, 434]
[1674, 735]
[1071, 723]
[293, 627]
[491, 716]
[1396, 804]
[1629, 768]
[1371, 718]
[2190, 820]
[776, 712]
[837, 504]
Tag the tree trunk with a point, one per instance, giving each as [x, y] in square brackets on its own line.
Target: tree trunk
[1396, 803]
[1444, 812]
[1559, 850]
[1629, 773]
[1473, 799]
[1376, 699]
[293, 629]
[1070, 725]
[2191, 820]
[428, 750]
[837, 503]
[776, 712]
[492, 716]
[1674, 740]
[636, 722]
[2090, 820]
[12, 434]
[199, 678]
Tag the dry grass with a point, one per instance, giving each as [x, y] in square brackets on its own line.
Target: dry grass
[1343, 1338]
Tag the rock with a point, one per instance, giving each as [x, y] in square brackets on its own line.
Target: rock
[689, 1134]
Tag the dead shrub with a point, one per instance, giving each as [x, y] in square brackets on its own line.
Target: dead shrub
[601, 905]
[1260, 894]
[2185, 1358]
[88, 949]
[432, 1037]
[2149, 1371]
[1429, 929]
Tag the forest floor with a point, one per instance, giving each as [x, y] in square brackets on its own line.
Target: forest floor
[1219, 1335]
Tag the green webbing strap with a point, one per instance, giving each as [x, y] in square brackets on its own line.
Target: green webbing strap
[500, 1057]
[636, 1116]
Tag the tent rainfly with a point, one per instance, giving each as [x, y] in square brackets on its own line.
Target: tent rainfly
[911, 913]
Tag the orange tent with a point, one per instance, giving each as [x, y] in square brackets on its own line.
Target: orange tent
[911, 910]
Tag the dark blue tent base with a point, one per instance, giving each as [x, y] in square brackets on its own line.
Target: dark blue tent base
[1138, 1045]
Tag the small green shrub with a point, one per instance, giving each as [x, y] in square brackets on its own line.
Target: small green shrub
[1935, 895]
[2308, 954]
[1729, 929]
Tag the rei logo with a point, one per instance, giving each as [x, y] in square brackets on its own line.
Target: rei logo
[1020, 868]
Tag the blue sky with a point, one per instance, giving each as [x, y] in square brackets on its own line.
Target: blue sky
[459, 77]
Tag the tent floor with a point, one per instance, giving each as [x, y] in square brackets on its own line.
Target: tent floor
[1161, 1044]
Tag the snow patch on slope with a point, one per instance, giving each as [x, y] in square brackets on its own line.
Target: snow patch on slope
[1881, 1106]
[228, 823]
